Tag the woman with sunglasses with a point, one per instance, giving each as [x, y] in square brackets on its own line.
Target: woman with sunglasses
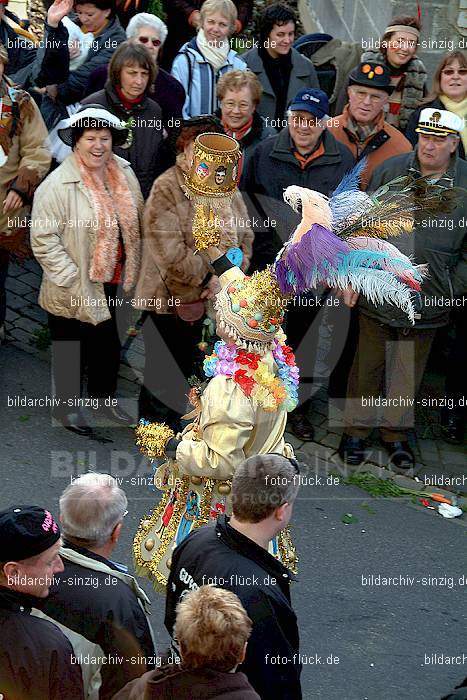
[151, 32]
[126, 95]
[449, 91]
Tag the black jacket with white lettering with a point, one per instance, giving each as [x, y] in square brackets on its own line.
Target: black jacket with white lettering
[35, 657]
[222, 556]
[101, 609]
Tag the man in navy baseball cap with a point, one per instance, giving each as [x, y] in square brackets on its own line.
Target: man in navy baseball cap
[311, 100]
[304, 153]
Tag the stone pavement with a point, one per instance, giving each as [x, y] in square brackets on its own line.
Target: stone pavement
[436, 460]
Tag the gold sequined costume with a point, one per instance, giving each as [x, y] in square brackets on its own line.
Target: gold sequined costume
[223, 434]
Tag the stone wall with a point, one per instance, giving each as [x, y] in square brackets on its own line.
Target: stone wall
[444, 22]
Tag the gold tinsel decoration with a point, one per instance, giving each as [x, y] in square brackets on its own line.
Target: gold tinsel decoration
[206, 231]
[152, 438]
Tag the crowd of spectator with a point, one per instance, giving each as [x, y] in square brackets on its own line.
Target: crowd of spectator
[100, 106]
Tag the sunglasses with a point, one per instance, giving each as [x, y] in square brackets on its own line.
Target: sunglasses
[451, 71]
[146, 40]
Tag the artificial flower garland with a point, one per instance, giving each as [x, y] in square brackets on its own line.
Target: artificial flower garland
[253, 375]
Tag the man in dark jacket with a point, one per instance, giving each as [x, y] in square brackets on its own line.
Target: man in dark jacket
[234, 555]
[36, 659]
[304, 154]
[182, 17]
[99, 606]
[438, 240]
[131, 75]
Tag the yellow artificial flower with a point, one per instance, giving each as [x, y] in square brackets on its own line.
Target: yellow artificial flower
[260, 394]
[263, 375]
[270, 404]
[280, 336]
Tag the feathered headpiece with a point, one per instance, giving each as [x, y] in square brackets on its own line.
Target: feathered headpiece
[341, 242]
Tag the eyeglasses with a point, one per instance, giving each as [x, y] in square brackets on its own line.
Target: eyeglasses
[374, 99]
[146, 39]
[243, 106]
[451, 71]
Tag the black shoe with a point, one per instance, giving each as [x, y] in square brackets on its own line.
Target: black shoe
[75, 422]
[300, 426]
[117, 415]
[352, 450]
[400, 454]
[453, 427]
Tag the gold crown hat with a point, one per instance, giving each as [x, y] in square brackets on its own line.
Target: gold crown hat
[211, 183]
[250, 309]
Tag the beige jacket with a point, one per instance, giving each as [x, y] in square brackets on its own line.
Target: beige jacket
[170, 269]
[28, 162]
[63, 235]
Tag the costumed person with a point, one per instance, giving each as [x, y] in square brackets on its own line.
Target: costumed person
[24, 161]
[242, 411]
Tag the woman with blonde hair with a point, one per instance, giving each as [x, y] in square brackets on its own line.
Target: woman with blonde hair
[448, 91]
[203, 60]
[212, 629]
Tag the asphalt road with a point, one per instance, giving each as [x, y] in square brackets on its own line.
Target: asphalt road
[382, 635]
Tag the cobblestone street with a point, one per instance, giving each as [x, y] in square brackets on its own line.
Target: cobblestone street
[26, 328]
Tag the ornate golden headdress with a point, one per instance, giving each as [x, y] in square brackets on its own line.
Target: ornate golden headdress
[211, 183]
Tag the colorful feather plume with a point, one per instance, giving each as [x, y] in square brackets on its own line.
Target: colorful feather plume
[310, 255]
[393, 260]
[351, 180]
[340, 240]
[378, 286]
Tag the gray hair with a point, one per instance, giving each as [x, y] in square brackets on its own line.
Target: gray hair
[261, 484]
[225, 7]
[91, 506]
[144, 19]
